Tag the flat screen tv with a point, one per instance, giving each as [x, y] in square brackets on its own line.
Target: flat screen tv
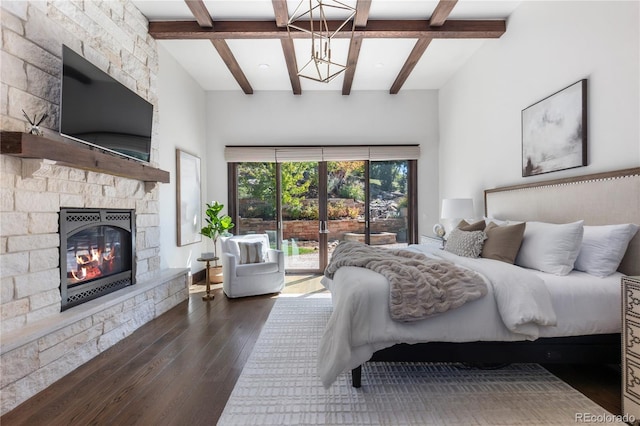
[98, 110]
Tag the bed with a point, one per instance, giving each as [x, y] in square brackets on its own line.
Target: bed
[573, 318]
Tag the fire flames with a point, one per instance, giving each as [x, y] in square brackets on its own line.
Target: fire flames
[93, 264]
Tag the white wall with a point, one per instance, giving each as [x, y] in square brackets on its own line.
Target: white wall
[323, 118]
[182, 125]
[547, 46]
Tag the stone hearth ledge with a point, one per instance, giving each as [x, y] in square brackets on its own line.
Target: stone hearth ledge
[41, 353]
[33, 332]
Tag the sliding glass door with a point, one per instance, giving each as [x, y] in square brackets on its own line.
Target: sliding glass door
[309, 207]
[346, 202]
[300, 216]
[256, 200]
[389, 203]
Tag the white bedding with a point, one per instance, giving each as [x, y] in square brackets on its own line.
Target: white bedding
[542, 305]
[584, 304]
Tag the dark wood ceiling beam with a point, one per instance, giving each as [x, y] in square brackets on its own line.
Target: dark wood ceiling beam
[292, 65]
[204, 20]
[190, 30]
[282, 18]
[352, 61]
[281, 12]
[421, 29]
[410, 64]
[200, 12]
[362, 12]
[360, 20]
[438, 20]
[441, 12]
[225, 53]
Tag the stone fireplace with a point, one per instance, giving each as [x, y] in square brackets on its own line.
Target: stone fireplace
[97, 248]
[40, 342]
[76, 280]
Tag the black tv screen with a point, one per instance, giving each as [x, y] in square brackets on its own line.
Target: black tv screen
[98, 110]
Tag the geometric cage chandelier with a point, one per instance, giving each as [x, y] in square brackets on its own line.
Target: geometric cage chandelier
[321, 67]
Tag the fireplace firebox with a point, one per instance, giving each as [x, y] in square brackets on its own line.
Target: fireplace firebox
[97, 251]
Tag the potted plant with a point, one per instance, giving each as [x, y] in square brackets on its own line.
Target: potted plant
[216, 226]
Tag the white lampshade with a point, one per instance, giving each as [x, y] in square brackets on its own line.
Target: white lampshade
[457, 208]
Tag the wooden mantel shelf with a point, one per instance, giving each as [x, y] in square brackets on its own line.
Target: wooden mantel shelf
[67, 153]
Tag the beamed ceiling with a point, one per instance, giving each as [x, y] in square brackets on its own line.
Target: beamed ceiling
[397, 44]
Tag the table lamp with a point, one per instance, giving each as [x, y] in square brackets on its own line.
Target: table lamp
[455, 210]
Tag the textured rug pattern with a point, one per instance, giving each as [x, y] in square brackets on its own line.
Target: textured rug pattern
[279, 385]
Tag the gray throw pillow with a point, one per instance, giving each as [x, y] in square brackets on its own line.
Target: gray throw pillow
[465, 243]
[250, 252]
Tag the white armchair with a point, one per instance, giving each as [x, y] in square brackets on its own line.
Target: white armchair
[265, 275]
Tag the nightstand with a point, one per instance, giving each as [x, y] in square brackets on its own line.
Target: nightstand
[631, 346]
[431, 241]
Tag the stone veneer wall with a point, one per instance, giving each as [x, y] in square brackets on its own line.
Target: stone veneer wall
[113, 36]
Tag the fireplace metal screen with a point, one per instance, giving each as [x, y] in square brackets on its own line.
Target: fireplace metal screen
[96, 253]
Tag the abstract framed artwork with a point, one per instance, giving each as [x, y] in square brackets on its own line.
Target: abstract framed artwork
[188, 198]
[554, 131]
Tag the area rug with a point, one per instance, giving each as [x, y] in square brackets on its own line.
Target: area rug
[279, 385]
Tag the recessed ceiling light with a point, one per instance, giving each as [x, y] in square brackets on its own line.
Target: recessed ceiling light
[379, 65]
[263, 66]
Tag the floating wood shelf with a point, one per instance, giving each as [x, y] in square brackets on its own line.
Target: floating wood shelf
[67, 153]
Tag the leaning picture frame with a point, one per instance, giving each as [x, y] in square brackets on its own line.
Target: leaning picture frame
[554, 131]
[188, 198]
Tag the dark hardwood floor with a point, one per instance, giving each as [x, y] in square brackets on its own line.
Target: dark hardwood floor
[180, 369]
[602, 384]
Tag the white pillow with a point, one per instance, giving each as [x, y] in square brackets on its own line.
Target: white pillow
[603, 248]
[550, 247]
[501, 222]
[498, 222]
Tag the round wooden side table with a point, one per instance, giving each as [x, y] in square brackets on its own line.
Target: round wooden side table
[208, 296]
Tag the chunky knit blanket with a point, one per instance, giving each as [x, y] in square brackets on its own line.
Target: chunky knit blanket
[419, 286]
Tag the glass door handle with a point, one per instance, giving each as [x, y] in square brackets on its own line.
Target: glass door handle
[323, 227]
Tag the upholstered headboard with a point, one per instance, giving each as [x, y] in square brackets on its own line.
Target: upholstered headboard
[598, 199]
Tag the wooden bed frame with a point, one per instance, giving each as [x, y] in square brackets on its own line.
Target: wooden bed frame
[598, 199]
